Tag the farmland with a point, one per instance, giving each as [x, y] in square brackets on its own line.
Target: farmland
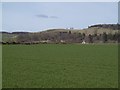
[60, 66]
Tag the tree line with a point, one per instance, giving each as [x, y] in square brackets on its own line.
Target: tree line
[64, 37]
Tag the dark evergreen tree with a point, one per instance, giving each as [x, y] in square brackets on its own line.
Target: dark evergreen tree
[83, 36]
[69, 32]
[110, 36]
[90, 38]
[104, 37]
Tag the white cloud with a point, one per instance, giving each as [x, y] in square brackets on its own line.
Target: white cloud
[46, 16]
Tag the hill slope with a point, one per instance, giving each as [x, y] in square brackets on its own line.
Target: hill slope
[61, 34]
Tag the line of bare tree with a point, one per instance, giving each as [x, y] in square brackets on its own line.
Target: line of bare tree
[64, 37]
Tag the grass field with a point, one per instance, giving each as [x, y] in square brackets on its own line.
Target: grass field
[60, 66]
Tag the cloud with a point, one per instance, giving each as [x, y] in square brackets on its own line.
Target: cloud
[46, 16]
[53, 17]
[42, 16]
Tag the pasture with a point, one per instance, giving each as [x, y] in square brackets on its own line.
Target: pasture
[60, 66]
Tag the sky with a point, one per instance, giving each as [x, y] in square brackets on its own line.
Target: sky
[39, 16]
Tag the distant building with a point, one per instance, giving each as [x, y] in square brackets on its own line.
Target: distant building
[83, 42]
[62, 41]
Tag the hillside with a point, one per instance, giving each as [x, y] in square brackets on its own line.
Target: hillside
[69, 35]
[98, 29]
[87, 31]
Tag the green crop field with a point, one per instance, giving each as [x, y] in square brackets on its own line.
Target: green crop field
[60, 66]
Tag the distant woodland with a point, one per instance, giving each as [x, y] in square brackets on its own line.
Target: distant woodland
[101, 33]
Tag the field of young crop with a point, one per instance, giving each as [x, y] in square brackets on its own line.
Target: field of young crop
[60, 66]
